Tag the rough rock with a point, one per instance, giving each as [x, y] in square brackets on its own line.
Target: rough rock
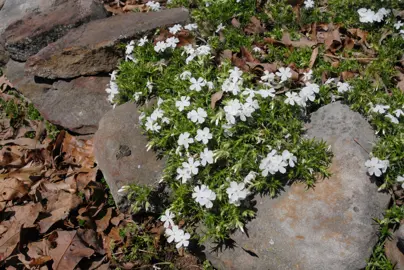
[77, 105]
[14, 10]
[91, 48]
[25, 37]
[121, 154]
[394, 248]
[329, 227]
[4, 56]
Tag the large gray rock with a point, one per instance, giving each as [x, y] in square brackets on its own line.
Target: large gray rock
[121, 154]
[77, 105]
[329, 227]
[26, 36]
[92, 48]
[13, 10]
[394, 248]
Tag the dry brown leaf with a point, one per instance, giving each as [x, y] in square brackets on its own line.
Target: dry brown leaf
[262, 66]
[101, 264]
[116, 220]
[141, 8]
[349, 43]
[4, 83]
[69, 251]
[24, 217]
[38, 249]
[345, 75]
[313, 57]
[3, 229]
[6, 130]
[90, 237]
[103, 223]
[356, 32]
[254, 27]
[235, 23]
[333, 40]
[26, 142]
[185, 38]
[11, 189]
[247, 56]
[114, 234]
[40, 261]
[58, 206]
[78, 151]
[215, 98]
[303, 42]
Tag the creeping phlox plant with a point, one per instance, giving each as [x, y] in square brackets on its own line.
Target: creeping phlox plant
[228, 134]
[220, 150]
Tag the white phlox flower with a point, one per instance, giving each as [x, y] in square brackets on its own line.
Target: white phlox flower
[167, 218]
[204, 196]
[236, 192]
[376, 166]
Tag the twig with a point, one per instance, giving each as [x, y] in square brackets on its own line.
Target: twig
[145, 251]
[345, 58]
[355, 140]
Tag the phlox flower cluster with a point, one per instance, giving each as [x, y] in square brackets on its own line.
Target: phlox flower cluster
[370, 16]
[173, 232]
[376, 166]
[307, 93]
[195, 51]
[112, 88]
[383, 110]
[275, 162]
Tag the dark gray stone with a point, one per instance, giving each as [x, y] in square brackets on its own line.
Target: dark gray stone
[121, 154]
[76, 105]
[25, 37]
[394, 248]
[92, 48]
[329, 227]
[13, 10]
[4, 56]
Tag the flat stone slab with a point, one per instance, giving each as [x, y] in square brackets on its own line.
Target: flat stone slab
[26, 36]
[14, 10]
[92, 48]
[329, 227]
[121, 154]
[77, 105]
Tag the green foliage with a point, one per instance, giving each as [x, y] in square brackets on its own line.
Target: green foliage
[140, 195]
[390, 222]
[276, 125]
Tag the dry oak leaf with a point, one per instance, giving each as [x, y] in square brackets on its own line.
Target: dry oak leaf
[78, 151]
[4, 83]
[303, 42]
[215, 98]
[24, 216]
[90, 237]
[254, 27]
[12, 188]
[103, 223]
[58, 206]
[69, 251]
